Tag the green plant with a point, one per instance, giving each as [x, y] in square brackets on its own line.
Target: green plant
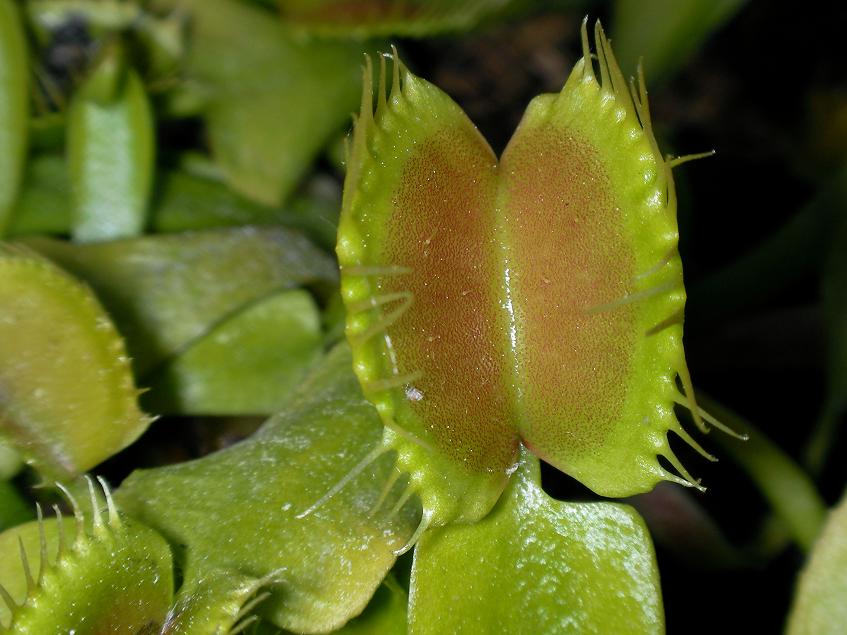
[496, 312]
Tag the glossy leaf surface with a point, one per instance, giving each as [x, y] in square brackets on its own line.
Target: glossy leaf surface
[242, 508]
[67, 397]
[537, 299]
[164, 292]
[536, 565]
[820, 605]
[247, 364]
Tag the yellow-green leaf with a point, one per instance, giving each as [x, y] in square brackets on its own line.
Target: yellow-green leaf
[250, 508]
[165, 292]
[247, 364]
[537, 565]
[820, 606]
[67, 397]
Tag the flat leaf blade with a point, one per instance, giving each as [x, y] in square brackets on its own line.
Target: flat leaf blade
[247, 364]
[536, 565]
[240, 508]
[417, 18]
[166, 291]
[14, 107]
[273, 104]
[820, 604]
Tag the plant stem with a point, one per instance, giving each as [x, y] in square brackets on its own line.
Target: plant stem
[786, 486]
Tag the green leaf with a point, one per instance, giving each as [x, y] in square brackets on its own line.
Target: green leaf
[242, 509]
[111, 576]
[273, 104]
[213, 602]
[834, 292]
[67, 397]
[409, 18]
[43, 206]
[786, 486]
[187, 202]
[820, 605]
[183, 202]
[13, 509]
[386, 613]
[493, 304]
[537, 565]
[665, 33]
[110, 147]
[10, 461]
[14, 106]
[247, 364]
[165, 292]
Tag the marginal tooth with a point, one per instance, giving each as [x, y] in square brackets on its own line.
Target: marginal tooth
[588, 65]
[685, 158]
[691, 400]
[60, 528]
[386, 489]
[114, 517]
[252, 604]
[426, 518]
[78, 515]
[97, 517]
[7, 599]
[395, 72]
[42, 543]
[407, 494]
[30, 582]
[686, 475]
[681, 433]
[240, 627]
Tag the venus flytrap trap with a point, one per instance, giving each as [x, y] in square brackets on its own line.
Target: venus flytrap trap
[105, 572]
[67, 398]
[534, 301]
